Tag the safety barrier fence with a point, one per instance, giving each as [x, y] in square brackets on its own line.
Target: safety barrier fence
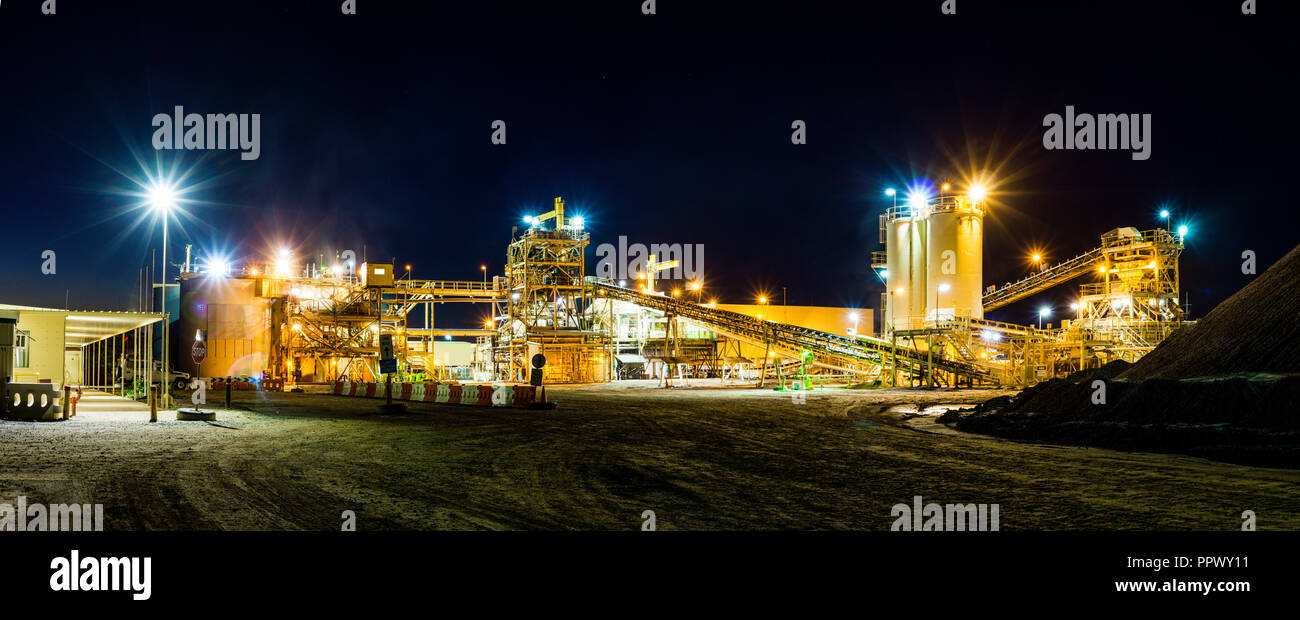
[520, 396]
[33, 401]
[273, 385]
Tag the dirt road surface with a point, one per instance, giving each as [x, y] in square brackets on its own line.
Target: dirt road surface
[701, 458]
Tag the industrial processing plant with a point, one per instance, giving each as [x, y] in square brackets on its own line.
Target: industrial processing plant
[317, 319]
[378, 273]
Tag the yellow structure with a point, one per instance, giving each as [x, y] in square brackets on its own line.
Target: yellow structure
[75, 347]
[933, 260]
[546, 308]
[843, 321]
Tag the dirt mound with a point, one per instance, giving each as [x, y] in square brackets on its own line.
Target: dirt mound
[1225, 388]
[1255, 330]
[1242, 419]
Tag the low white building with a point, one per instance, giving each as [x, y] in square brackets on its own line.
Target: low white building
[67, 347]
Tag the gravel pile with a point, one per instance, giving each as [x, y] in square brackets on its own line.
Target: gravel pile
[1225, 388]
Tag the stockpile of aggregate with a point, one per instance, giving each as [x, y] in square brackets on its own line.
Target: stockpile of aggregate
[1255, 330]
[1226, 388]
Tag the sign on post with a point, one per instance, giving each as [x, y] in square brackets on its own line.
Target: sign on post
[200, 351]
[387, 359]
[539, 361]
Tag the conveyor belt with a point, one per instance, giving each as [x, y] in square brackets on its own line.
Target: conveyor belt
[857, 356]
[1043, 280]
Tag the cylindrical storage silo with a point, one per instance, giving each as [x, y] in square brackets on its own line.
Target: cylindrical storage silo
[906, 280]
[954, 257]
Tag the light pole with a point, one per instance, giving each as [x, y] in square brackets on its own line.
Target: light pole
[893, 338]
[1043, 312]
[162, 197]
[1164, 214]
[938, 301]
[483, 268]
[892, 194]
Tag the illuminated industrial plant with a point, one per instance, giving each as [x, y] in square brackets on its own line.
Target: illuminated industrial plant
[934, 249]
[325, 316]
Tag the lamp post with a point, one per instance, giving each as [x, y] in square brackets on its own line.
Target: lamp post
[938, 301]
[892, 194]
[162, 197]
[1043, 312]
[1164, 214]
[893, 338]
[483, 268]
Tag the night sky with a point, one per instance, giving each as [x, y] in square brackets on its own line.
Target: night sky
[670, 128]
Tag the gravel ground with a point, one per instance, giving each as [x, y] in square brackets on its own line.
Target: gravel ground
[705, 457]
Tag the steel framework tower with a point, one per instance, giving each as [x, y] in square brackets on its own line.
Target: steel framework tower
[546, 309]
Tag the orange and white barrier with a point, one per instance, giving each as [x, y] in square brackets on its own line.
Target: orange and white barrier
[519, 396]
[275, 385]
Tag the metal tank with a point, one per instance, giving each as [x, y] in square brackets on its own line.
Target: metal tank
[954, 259]
[906, 294]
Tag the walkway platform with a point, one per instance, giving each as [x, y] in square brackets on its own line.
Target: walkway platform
[95, 402]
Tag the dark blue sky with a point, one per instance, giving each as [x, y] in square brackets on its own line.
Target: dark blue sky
[672, 128]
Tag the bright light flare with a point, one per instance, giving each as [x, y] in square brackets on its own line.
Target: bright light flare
[162, 196]
[918, 198]
[218, 268]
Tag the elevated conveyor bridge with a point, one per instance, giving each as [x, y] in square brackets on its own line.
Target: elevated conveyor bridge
[861, 356]
[1043, 280]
